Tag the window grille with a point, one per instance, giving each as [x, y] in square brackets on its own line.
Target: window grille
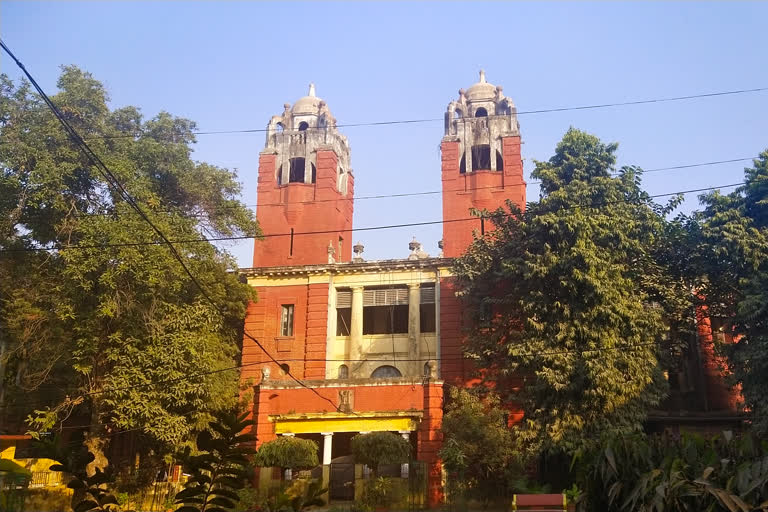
[427, 294]
[385, 297]
[343, 298]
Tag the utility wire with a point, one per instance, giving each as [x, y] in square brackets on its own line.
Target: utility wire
[122, 192]
[398, 195]
[441, 119]
[324, 232]
[521, 355]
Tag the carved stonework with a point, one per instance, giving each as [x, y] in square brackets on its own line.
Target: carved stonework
[346, 400]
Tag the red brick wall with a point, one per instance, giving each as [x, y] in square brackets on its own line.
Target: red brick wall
[262, 321]
[306, 208]
[720, 396]
[480, 189]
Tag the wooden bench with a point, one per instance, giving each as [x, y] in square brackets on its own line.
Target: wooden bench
[540, 502]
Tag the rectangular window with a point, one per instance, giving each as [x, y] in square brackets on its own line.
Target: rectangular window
[385, 319]
[343, 312]
[385, 310]
[286, 320]
[427, 320]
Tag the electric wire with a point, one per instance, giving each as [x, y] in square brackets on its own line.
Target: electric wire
[122, 192]
[346, 230]
[442, 119]
[393, 195]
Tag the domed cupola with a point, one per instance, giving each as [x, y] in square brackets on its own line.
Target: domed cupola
[296, 135]
[305, 187]
[481, 161]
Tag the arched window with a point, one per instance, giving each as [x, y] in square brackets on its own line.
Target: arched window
[427, 370]
[314, 172]
[463, 164]
[343, 371]
[286, 369]
[481, 112]
[481, 157]
[499, 162]
[280, 175]
[297, 170]
[303, 126]
[386, 372]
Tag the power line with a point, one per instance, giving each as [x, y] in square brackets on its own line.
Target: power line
[545, 353]
[407, 194]
[325, 232]
[122, 192]
[441, 119]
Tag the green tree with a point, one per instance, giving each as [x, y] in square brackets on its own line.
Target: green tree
[478, 450]
[287, 453]
[562, 305]
[117, 335]
[734, 261]
[377, 448]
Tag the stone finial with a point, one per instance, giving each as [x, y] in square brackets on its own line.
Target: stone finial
[311, 90]
[331, 253]
[482, 76]
[358, 250]
[416, 252]
[265, 373]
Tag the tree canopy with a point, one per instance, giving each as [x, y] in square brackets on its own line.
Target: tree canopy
[113, 333]
[564, 299]
[733, 241]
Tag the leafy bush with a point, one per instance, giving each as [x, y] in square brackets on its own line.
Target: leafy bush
[670, 474]
[478, 450]
[288, 453]
[379, 448]
[220, 470]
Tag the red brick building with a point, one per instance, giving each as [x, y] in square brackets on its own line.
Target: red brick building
[372, 342]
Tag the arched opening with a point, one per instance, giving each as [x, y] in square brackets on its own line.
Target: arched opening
[280, 175]
[481, 112]
[427, 370]
[280, 128]
[286, 369]
[481, 157]
[463, 164]
[343, 371]
[386, 372]
[303, 126]
[314, 172]
[457, 114]
[499, 162]
[296, 174]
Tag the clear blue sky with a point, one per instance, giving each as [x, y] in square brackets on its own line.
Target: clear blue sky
[232, 65]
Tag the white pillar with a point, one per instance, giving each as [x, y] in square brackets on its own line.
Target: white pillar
[404, 467]
[327, 447]
[414, 329]
[288, 472]
[356, 329]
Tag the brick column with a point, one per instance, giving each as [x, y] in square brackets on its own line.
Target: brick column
[430, 439]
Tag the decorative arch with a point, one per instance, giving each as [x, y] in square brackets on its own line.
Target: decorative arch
[343, 371]
[481, 112]
[303, 126]
[386, 372]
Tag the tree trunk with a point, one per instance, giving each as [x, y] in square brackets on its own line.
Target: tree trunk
[96, 440]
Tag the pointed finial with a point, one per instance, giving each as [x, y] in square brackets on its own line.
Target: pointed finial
[482, 76]
[311, 90]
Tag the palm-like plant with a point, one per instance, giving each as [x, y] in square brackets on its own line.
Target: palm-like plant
[220, 469]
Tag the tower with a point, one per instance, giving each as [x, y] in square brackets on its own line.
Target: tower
[481, 162]
[305, 188]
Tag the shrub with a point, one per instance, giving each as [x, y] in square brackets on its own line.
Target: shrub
[379, 448]
[288, 453]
